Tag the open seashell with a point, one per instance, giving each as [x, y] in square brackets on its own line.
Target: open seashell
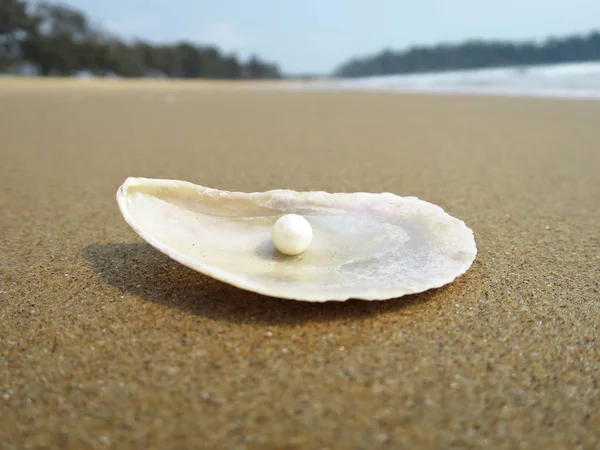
[364, 245]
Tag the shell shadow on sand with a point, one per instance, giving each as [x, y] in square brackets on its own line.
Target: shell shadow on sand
[140, 270]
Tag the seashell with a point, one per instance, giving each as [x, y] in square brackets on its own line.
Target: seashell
[364, 245]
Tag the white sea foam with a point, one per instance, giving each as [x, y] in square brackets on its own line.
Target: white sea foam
[577, 80]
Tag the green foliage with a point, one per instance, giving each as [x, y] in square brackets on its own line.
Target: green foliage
[59, 40]
[473, 55]
[15, 25]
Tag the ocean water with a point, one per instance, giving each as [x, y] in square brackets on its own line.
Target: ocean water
[577, 80]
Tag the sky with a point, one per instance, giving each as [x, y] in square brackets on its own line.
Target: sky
[315, 36]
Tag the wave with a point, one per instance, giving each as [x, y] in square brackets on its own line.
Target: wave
[574, 80]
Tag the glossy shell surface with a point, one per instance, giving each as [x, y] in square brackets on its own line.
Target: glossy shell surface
[365, 245]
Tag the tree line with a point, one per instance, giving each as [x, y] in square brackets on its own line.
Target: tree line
[59, 40]
[473, 55]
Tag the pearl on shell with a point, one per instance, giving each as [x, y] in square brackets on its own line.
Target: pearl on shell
[292, 234]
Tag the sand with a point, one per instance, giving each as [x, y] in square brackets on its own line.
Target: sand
[106, 343]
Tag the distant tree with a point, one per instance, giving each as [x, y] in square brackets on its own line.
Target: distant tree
[192, 64]
[254, 67]
[58, 19]
[125, 60]
[15, 26]
[231, 68]
[474, 54]
[212, 62]
[61, 41]
[258, 69]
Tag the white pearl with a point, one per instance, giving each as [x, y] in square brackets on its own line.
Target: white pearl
[292, 234]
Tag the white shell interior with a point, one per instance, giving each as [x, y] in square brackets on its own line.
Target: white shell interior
[365, 246]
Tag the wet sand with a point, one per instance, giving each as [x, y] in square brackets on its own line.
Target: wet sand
[106, 343]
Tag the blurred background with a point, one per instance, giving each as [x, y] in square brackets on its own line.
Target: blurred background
[269, 39]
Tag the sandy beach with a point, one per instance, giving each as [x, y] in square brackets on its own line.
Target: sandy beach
[107, 343]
